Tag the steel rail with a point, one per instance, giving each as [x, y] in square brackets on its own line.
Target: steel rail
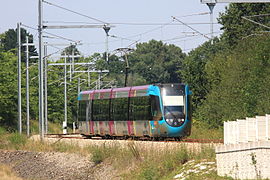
[186, 140]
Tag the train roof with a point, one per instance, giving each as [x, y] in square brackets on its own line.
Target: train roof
[116, 89]
[114, 92]
[132, 91]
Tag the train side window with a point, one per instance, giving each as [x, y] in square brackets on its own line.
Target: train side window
[140, 108]
[95, 110]
[155, 108]
[120, 109]
[101, 109]
[104, 109]
[82, 110]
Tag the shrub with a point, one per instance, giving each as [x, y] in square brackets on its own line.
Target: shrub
[16, 140]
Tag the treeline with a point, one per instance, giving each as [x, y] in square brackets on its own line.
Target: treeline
[228, 76]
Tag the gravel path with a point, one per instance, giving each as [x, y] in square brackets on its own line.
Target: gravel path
[49, 165]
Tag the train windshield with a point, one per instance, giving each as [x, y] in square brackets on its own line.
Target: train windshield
[173, 96]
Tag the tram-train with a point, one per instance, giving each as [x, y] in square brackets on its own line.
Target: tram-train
[150, 111]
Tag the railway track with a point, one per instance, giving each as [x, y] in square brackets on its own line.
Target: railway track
[195, 145]
[82, 137]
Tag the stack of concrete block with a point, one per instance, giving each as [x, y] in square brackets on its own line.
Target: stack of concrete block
[244, 161]
[242, 131]
[261, 134]
[246, 150]
[247, 130]
[251, 129]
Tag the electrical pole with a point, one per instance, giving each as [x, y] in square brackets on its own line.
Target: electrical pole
[127, 68]
[72, 62]
[19, 79]
[79, 85]
[79, 90]
[70, 69]
[40, 69]
[107, 29]
[45, 89]
[211, 8]
[65, 74]
[27, 88]
[125, 51]
[89, 77]
[99, 80]
[27, 44]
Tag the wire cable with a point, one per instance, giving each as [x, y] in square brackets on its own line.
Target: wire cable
[60, 7]
[174, 18]
[196, 14]
[258, 15]
[260, 24]
[134, 23]
[61, 37]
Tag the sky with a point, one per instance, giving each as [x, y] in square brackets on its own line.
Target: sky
[134, 22]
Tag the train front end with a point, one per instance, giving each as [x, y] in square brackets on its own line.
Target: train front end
[176, 111]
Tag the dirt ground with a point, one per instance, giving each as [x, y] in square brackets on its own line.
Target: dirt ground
[54, 165]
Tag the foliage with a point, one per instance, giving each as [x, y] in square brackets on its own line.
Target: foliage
[102, 153]
[222, 75]
[241, 85]
[193, 69]
[201, 131]
[236, 28]
[71, 49]
[165, 165]
[2, 131]
[8, 86]
[8, 42]
[99, 154]
[151, 164]
[17, 140]
[227, 77]
[157, 62]
[8, 78]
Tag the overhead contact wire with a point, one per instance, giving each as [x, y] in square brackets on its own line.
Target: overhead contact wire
[55, 5]
[61, 37]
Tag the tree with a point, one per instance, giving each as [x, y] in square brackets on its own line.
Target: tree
[242, 89]
[71, 49]
[193, 69]
[236, 28]
[9, 42]
[8, 89]
[157, 62]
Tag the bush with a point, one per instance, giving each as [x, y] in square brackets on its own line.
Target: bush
[98, 156]
[239, 87]
[16, 140]
[2, 131]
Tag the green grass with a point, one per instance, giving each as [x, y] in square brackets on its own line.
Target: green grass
[11, 140]
[99, 154]
[130, 162]
[53, 128]
[17, 140]
[2, 131]
[203, 132]
[165, 165]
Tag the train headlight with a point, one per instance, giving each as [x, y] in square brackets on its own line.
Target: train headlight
[180, 120]
[175, 122]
